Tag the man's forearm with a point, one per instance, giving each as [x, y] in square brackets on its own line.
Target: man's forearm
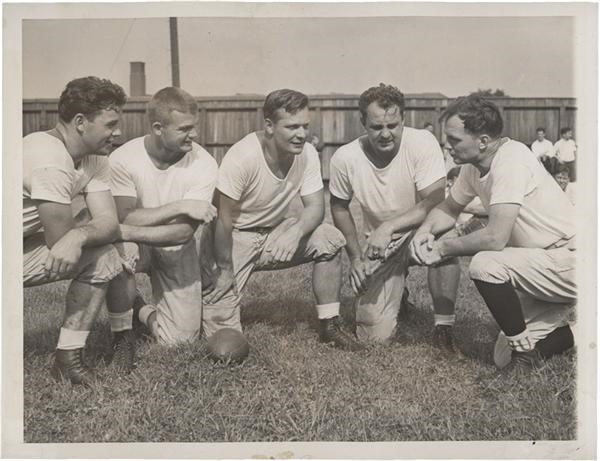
[153, 216]
[345, 223]
[223, 245]
[411, 219]
[467, 245]
[309, 219]
[439, 220]
[98, 231]
[162, 235]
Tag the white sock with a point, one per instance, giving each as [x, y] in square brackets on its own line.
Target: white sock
[328, 311]
[145, 313]
[440, 319]
[521, 342]
[120, 321]
[69, 340]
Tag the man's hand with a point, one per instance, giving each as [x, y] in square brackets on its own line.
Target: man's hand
[225, 281]
[422, 243]
[359, 278]
[432, 255]
[65, 253]
[282, 247]
[199, 210]
[378, 241]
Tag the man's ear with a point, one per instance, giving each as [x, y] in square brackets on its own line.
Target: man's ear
[79, 121]
[157, 128]
[269, 127]
[484, 142]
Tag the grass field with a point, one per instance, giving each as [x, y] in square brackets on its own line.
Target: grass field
[292, 388]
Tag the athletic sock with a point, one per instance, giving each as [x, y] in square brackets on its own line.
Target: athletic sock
[556, 342]
[145, 313]
[328, 311]
[504, 304]
[440, 319]
[69, 340]
[521, 342]
[120, 321]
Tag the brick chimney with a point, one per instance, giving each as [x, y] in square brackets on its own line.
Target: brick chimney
[137, 79]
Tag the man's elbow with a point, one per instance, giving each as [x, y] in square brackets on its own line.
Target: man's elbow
[185, 234]
[497, 242]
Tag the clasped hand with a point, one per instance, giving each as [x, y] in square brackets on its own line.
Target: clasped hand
[425, 250]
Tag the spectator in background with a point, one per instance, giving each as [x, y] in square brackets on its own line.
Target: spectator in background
[562, 178]
[448, 160]
[429, 127]
[544, 150]
[564, 149]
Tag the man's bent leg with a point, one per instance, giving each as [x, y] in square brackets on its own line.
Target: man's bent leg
[443, 282]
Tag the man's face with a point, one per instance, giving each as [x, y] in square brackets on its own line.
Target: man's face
[384, 128]
[541, 135]
[568, 135]
[562, 179]
[179, 131]
[100, 133]
[289, 131]
[465, 146]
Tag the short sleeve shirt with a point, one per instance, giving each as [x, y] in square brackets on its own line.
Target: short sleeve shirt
[546, 215]
[262, 199]
[392, 190]
[49, 174]
[565, 150]
[540, 148]
[133, 174]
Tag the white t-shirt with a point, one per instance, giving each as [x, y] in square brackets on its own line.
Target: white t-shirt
[546, 214]
[564, 150]
[49, 174]
[263, 198]
[134, 175]
[392, 190]
[544, 147]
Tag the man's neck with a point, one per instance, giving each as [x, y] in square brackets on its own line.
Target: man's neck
[279, 162]
[161, 157]
[71, 140]
[487, 157]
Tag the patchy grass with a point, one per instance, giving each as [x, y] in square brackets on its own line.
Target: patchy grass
[292, 388]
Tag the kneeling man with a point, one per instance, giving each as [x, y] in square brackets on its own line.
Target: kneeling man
[258, 178]
[524, 259]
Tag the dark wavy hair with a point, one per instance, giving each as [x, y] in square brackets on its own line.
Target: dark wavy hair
[479, 115]
[384, 95]
[289, 100]
[166, 101]
[89, 96]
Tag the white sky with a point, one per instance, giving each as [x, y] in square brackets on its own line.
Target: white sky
[527, 56]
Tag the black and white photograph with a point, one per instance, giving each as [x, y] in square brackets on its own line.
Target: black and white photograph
[266, 230]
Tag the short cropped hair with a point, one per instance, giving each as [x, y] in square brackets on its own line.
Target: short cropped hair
[384, 95]
[427, 124]
[565, 130]
[562, 168]
[479, 115]
[290, 101]
[168, 100]
[539, 128]
[89, 96]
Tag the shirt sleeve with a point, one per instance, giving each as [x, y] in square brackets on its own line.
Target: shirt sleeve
[233, 176]
[461, 191]
[311, 180]
[339, 182]
[510, 183]
[429, 162]
[121, 181]
[204, 187]
[100, 180]
[52, 184]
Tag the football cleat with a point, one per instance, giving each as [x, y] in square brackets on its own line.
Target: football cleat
[523, 362]
[443, 338]
[331, 332]
[124, 350]
[69, 365]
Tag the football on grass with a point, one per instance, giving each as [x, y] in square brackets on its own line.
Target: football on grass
[228, 345]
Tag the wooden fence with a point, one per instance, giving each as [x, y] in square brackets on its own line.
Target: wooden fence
[335, 119]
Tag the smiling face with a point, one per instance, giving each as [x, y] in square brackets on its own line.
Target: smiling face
[562, 178]
[466, 147]
[541, 135]
[178, 132]
[289, 132]
[384, 129]
[100, 132]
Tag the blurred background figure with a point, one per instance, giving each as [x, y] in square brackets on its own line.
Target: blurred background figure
[562, 178]
[429, 127]
[474, 216]
[448, 160]
[565, 149]
[544, 150]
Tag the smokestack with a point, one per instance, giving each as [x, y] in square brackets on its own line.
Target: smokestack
[137, 79]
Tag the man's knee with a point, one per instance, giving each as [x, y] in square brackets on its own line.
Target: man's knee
[326, 242]
[99, 264]
[488, 266]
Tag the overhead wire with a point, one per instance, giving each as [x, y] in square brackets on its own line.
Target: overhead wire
[122, 45]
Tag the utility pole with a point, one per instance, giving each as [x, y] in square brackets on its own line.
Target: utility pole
[174, 52]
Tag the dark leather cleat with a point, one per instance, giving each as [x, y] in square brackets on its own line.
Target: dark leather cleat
[124, 350]
[331, 332]
[443, 338]
[69, 365]
[522, 363]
